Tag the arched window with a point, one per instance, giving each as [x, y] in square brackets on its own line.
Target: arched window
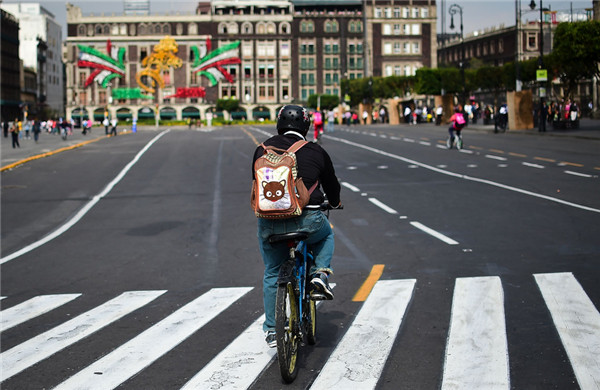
[233, 28]
[284, 28]
[247, 28]
[222, 28]
[98, 30]
[166, 28]
[142, 30]
[106, 29]
[261, 28]
[157, 29]
[193, 29]
[307, 26]
[81, 30]
[271, 28]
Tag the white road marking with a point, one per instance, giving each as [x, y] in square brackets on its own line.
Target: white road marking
[578, 174]
[240, 363]
[464, 177]
[495, 157]
[374, 330]
[141, 351]
[434, 233]
[424, 143]
[350, 187]
[32, 308]
[48, 343]
[408, 140]
[578, 323]
[88, 206]
[477, 350]
[466, 151]
[382, 206]
[538, 166]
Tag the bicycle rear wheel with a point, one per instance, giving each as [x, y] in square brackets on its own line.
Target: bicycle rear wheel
[286, 329]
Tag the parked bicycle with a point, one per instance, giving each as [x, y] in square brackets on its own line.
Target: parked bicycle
[295, 307]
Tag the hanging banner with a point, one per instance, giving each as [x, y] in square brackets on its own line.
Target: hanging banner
[107, 67]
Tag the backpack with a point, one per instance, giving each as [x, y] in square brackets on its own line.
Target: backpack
[277, 192]
[318, 118]
[459, 121]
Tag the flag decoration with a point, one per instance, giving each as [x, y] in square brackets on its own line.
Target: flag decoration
[211, 64]
[106, 67]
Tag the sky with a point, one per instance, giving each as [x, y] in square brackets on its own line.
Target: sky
[477, 14]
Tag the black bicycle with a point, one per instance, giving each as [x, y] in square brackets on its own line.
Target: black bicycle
[295, 306]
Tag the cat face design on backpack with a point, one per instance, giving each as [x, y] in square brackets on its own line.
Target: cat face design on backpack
[274, 190]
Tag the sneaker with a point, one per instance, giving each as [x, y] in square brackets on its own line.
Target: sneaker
[321, 287]
[271, 339]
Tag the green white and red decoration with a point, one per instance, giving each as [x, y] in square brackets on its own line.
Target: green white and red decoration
[211, 63]
[106, 67]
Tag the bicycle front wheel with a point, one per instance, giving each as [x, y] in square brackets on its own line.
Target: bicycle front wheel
[286, 329]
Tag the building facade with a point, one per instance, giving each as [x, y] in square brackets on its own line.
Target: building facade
[283, 52]
[10, 64]
[38, 24]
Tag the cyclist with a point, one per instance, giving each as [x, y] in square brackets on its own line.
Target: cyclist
[457, 122]
[318, 125]
[314, 165]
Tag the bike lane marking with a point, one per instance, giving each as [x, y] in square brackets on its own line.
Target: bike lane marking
[434, 233]
[578, 323]
[477, 350]
[48, 343]
[86, 208]
[358, 360]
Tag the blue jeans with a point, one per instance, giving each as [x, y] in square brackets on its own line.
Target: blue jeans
[320, 242]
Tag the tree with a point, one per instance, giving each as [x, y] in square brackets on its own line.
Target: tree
[576, 53]
[229, 105]
[328, 102]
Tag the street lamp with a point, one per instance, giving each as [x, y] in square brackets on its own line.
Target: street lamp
[454, 8]
[532, 6]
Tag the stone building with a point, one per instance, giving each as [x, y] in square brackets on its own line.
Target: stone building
[10, 88]
[285, 51]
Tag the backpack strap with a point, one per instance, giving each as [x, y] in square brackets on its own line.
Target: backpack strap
[297, 145]
[313, 187]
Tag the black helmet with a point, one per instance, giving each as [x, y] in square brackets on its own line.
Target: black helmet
[292, 117]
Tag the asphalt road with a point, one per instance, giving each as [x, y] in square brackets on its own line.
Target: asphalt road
[484, 242]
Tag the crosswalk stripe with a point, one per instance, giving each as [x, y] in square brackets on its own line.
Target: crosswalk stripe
[577, 322]
[238, 365]
[141, 351]
[477, 350]
[32, 308]
[358, 360]
[46, 344]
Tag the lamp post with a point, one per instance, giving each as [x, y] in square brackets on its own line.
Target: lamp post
[454, 8]
[542, 92]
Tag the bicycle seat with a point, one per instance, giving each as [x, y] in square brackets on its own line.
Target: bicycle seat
[293, 236]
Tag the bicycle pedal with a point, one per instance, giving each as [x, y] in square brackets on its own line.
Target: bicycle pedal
[318, 297]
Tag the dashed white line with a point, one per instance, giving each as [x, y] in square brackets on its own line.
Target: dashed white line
[578, 174]
[433, 233]
[495, 157]
[382, 206]
[350, 187]
[538, 166]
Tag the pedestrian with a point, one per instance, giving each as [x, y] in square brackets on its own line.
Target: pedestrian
[438, 115]
[105, 122]
[382, 115]
[27, 128]
[37, 129]
[543, 116]
[407, 117]
[5, 126]
[14, 131]
[330, 121]
[113, 129]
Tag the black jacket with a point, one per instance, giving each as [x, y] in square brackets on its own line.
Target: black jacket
[313, 164]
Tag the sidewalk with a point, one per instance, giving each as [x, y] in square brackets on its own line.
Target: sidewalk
[588, 129]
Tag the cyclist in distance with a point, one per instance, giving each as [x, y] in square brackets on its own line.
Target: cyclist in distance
[457, 122]
[314, 165]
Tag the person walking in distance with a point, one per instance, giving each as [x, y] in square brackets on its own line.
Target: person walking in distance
[315, 168]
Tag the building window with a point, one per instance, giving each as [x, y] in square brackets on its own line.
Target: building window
[307, 26]
[387, 48]
[405, 12]
[378, 13]
[415, 13]
[531, 41]
[424, 13]
[387, 29]
[416, 48]
[416, 29]
[397, 13]
[500, 46]
[81, 30]
[397, 48]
